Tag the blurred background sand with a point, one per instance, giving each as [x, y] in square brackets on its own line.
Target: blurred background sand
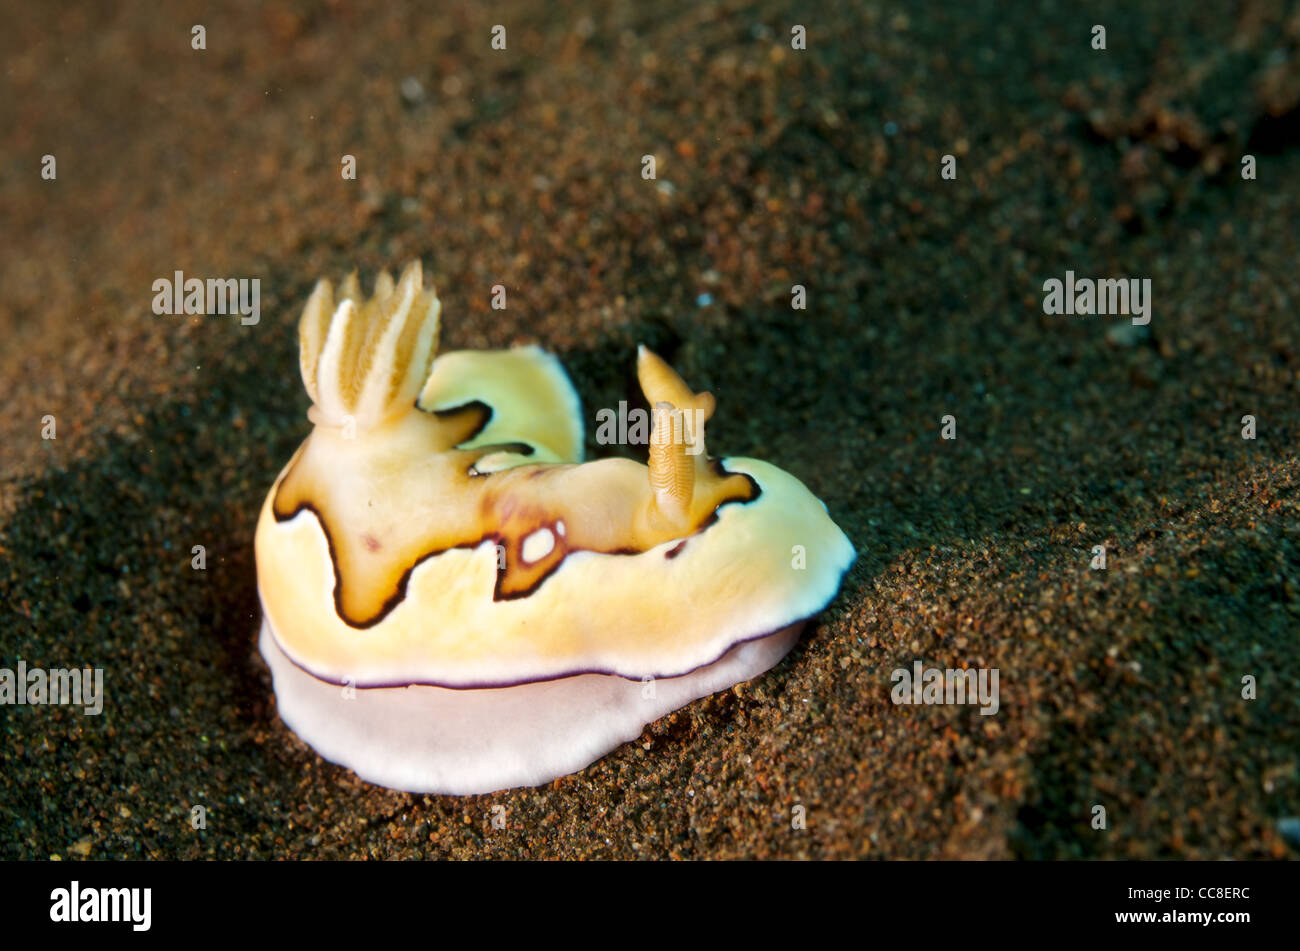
[775, 167]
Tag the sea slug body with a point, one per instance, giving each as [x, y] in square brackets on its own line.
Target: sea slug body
[454, 602]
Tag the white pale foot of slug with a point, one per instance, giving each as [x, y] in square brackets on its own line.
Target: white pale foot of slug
[429, 739]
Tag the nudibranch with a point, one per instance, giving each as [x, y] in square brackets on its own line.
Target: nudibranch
[454, 602]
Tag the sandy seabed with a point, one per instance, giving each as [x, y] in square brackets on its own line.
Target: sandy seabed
[1120, 688]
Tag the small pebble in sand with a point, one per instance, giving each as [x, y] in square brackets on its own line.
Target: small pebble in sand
[1289, 829]
[412, 91]
[1128, 334]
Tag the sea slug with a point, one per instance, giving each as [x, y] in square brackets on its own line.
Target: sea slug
[454, 602]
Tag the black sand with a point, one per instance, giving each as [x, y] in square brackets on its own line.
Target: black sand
[775, 167]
